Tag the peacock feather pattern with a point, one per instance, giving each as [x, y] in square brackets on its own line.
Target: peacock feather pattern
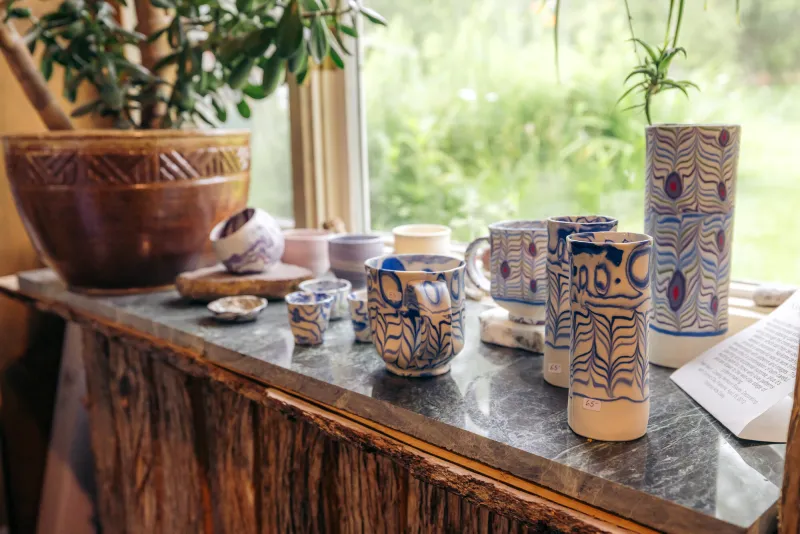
[520, 255]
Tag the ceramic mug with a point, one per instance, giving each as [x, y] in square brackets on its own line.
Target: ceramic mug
[609, 294]
[250, 241]
[359, 315]
[518, 268]
[338, 289]
[557, 315]
[348, 254]
[416, 310]
[422, 239]
[309, 314]
[308, 247]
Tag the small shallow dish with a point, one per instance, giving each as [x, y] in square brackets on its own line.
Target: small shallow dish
[309, 314]
[359, 315]
[338, 289]
[240, 309]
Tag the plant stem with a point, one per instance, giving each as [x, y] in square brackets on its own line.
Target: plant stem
[149, 20]
[630, 27]
[555, 38]
[669, 23]
[647, 109]
[678, 22]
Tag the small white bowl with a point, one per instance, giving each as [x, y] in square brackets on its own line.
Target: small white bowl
[338, 289]
[240, 309]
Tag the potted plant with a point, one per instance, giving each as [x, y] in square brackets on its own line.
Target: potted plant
[130, 208]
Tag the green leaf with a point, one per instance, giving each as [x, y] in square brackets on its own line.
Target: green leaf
[19, 13]
[555, 38]
[240, 73]
[373, 16]
[339, 41]
[244, 109]
[648, 49]
[290, 31]
[301, 76]
[166, 60]
[219, 107]
[299, 61]
[640, 85]
[336, 57]
[348, 30]
[319, 40]
[244, 6]
[86, 108]
[47, 67]
[672, 85]
[648, 71]
[163, 4]
[258, 41]
[274, 72]
[254, 91]
[154, 36]
[312, 5]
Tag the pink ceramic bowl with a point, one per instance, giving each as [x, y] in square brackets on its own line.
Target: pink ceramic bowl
[307, 248]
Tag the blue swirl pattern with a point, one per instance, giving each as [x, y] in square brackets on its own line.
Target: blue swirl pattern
[519, 262]
[309, 314]
[359, 316]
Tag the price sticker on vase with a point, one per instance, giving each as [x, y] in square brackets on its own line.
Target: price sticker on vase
[591, 404]
[554, 368]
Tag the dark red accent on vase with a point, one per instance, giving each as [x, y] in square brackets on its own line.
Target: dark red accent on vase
[532, 249]
[505, 270]
[673, 185]
[724, 137]
[676, 291]
[533, 285]
[721, 240]
[714, 305]
[722, 190]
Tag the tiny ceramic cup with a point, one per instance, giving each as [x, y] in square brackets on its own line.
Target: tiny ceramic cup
[250, 241]
[557, 317]
[307, 248]
[359, 315]
[422, 239]
[609, 295]
[338, 289]
[416, 308]
[309, 314]
[518, 268]
[348, 254]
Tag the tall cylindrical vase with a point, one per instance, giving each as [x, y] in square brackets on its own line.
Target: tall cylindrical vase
[689, 199]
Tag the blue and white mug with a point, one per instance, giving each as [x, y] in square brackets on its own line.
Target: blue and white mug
[309, 314]
[416, 310]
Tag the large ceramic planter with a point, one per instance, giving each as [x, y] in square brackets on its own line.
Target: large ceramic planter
[689, 199]
[126, 210]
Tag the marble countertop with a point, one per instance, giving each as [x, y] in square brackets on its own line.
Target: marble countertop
[688, 474]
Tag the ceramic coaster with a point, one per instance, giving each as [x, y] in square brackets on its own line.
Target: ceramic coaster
[498, 329]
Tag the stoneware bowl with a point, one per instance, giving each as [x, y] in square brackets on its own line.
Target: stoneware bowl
[248, 242]
[348, 254]
[359, 315]
[307, 248]
[309, 314]
[422, 239]
[338, 289]
[240, 309]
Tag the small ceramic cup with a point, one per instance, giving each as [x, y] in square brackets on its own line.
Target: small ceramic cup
[338, 289]
[309, 314]
[250, 241]
[416, 311]
[307, 247]
[518, 268]
[359, 315]
[348, 254]
[422, 239]
[609, 295]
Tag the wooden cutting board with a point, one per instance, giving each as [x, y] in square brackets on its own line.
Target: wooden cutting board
[216, 282]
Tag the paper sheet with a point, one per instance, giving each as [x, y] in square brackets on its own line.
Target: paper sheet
[747, 380]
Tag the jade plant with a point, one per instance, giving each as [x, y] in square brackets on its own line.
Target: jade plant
[186, 63]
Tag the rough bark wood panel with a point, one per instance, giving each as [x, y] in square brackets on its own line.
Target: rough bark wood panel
[789, 511]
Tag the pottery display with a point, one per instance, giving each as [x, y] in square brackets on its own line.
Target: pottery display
[689, 198]
[518, 268]
[309, 314]
[416, 310]
[422, 239]
[557, 315]
[307, 247]
[348, 254]
[338, 289]
[359, 315]
[122, 210]
[609, 299]
[239, 309]
[250, 241]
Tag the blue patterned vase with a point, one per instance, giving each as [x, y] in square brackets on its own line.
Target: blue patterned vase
[689, 198]
[610, 308]
[557, 333]
[309, 314]
[518, 268]
[416, 310]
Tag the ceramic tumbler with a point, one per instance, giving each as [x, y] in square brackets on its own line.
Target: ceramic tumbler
[609, 296]
[689, 199]
[518, 268]
[348, 254]
[250, 241]
[422, 239]
[557, 315]
[359, 315]
[308, 248]
[338, 289]
[309, 314]
[416, 310]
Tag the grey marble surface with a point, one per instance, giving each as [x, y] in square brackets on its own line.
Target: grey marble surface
[688, 474]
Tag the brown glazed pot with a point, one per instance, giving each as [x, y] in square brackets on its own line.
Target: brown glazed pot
[117, 210]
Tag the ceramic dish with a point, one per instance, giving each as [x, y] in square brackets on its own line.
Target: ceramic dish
[239, 309]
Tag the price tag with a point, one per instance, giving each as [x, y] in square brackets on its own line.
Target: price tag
[554, 368]
[591, 404]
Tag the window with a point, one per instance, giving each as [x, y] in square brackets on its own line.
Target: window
[467, 123]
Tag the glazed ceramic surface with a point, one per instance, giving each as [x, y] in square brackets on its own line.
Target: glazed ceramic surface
[307, 248]
[309, 314]
[348, 254]
[689, 199]
[609, 294]
[557, 315]
[518, 268]
[416, 310]
[359, 315]
[239, 309]
[422, 239]
[249, 242]
[338, 289]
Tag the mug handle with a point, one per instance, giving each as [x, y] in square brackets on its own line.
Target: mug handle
[432, 311]
[473, 273]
